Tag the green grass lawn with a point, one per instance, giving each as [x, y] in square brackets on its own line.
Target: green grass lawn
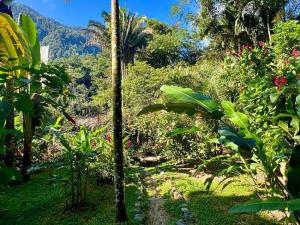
[208, 207]
[39, 202]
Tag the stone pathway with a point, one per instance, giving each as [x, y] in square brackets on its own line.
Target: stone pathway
[156, 213]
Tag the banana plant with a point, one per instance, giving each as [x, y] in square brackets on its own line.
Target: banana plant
[13, 51]
[37, 85]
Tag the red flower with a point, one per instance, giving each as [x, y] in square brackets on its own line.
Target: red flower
[280, 82]
[284, 81]
[108, 138]
[276, 81]
[261, 44]
[295, 52]
[129, 143]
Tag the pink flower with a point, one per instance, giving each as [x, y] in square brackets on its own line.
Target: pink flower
[286, 62]
[295, 52]
[261, 44]
[247, 47]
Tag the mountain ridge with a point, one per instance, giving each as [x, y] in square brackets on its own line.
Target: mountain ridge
[64, 41]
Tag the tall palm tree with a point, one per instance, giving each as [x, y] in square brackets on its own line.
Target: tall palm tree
[121, 215]
[133, 34]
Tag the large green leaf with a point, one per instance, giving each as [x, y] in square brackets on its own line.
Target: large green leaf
[187, 95]
[180, 131]
[244, 143]
[187, 108]
[29, 29]
[31, 35]
[295, 124]
[14, 43]
[238, 118]
[268, 205]
[298, 100]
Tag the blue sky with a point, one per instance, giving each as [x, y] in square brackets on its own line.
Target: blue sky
[79, 12]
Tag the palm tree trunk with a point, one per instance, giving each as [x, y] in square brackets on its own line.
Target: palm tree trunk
[121, 215]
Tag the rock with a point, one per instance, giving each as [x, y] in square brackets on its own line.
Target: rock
[138, 210]
[184, 210]
[188, 215]
[139, 217]
[180, 222]
[173, 189]
[177, 195]
[138, 204]
[184, 205]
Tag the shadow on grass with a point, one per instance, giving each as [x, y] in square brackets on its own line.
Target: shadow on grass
[210, 209]
[40, 203]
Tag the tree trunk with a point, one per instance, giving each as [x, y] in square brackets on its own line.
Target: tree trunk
[26, 161]
[268, 27]
[121, 215]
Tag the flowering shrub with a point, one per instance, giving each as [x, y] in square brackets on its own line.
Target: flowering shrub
[271, 97]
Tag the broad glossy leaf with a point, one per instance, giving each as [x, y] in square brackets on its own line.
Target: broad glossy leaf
[275, 96]
[31, 34]
[14, 42]
[238, 118]
[29, 29]
[295, 124]
[187, 108]
[245, 143]
[183, 131]
[269, 205]
[298, 100]
[187, 95]
[284, 126]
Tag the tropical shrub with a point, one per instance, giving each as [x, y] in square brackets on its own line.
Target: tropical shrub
[85, 155]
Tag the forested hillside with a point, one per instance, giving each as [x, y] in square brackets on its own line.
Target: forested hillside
[64, 41]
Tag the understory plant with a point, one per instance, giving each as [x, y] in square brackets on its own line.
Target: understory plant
[85, 155]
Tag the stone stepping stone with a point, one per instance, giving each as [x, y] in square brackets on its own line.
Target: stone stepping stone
[180, 222]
